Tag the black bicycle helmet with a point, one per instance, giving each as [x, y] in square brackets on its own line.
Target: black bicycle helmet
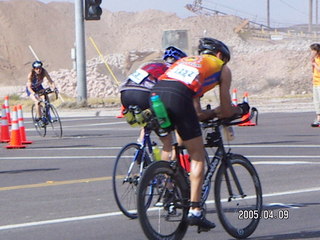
[173, 52]
[213, 46]
[37, 64]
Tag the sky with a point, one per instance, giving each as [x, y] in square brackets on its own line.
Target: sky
[282, 12]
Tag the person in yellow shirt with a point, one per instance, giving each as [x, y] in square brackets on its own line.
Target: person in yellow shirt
[315, 61]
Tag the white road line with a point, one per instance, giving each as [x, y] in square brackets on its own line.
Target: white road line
[250, 157]
[104, 215]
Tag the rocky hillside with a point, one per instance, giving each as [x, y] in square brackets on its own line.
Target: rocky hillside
[271, 68]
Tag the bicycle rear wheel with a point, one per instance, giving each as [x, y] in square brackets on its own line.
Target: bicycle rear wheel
[40, 127]
[54, 121]
[239, 212]
[163, 196]
[126, 175]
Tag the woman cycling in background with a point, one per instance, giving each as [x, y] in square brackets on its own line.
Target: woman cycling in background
[34, 84]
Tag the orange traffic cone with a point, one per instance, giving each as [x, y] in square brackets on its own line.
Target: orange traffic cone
[234, 97]
[249, 123]
[15, 139]
[121, 112]
[21, 126]
[5, 135]
[6, 104]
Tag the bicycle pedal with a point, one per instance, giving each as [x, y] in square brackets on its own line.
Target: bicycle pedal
[201, 229]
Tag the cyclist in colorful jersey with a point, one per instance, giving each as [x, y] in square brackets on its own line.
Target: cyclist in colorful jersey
[315, 61]
[136, 89]
[180, 89]
[34, 84]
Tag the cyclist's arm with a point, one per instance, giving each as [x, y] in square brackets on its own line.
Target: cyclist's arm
[29, 84]
[226, 109]
[51, 82]
[203, 114]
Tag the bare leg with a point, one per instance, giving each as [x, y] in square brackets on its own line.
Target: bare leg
[196, 151]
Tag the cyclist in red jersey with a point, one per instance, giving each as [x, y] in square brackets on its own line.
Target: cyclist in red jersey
[180, 89]
[136, 89]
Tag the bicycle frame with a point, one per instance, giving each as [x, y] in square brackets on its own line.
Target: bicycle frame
[221, 156]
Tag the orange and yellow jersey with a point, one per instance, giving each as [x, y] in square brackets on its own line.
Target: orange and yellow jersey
[199, 73]
[316, 72]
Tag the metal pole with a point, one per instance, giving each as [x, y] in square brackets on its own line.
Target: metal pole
[317, 12]
[80, 53]
[268, 13]
[310, 15]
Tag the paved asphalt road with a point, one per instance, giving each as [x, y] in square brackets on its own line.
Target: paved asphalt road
[60, 189]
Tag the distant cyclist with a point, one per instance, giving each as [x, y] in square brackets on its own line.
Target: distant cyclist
[136, 89]
[34, 84]
[180, 89]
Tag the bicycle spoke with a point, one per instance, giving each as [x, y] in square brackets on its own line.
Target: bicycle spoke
[39, 126]
[126, 176]
[238, 197]
[54, 121]
[162, 204]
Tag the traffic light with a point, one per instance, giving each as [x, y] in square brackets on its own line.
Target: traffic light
[93, 10]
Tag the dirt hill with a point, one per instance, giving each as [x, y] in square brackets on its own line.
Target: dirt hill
[261, 67]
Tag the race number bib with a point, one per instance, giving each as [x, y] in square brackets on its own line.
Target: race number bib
[138, 76]
[183, 73]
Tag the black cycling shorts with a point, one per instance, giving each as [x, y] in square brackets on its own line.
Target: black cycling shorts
[135, 97]
[178, 100]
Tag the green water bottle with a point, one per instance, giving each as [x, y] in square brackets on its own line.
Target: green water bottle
[160, 111]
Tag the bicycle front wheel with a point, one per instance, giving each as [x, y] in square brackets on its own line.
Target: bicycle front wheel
[238, 196]
[38, 124]
[126, 175]
[163, 195]
[54, 121]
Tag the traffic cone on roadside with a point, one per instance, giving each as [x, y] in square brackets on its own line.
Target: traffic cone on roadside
[5, 135]
[121, 112]
[234, 97]
[6, 104]
[15, 138]
[248, 123]
[22, 129]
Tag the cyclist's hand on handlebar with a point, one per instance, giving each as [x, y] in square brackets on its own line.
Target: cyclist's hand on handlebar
[244, 107]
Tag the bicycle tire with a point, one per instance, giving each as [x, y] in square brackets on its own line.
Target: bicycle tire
[163, 216]
[230, 210]
[41, 129]
[54, 120]
[126, 176]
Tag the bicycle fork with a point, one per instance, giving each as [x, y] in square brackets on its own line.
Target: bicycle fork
[229, 166]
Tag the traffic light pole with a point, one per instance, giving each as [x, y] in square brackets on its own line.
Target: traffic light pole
[80, 54]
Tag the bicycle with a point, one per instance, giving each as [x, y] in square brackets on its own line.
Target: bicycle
[132, 159]
[164, 191]
[49, 115]
[130, 164]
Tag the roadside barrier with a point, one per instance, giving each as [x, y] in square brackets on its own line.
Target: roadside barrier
[121, 112]
[22, 128]
[5, 135]
[15, 138]
[234, 97]
[6, 104]
[249, 123]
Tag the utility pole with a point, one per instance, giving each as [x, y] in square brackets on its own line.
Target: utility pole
[80, 54]
[317, 12]
[268, 13]
[310, 16]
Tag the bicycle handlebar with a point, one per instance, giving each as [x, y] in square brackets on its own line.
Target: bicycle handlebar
[229, 121]
[45, 91]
